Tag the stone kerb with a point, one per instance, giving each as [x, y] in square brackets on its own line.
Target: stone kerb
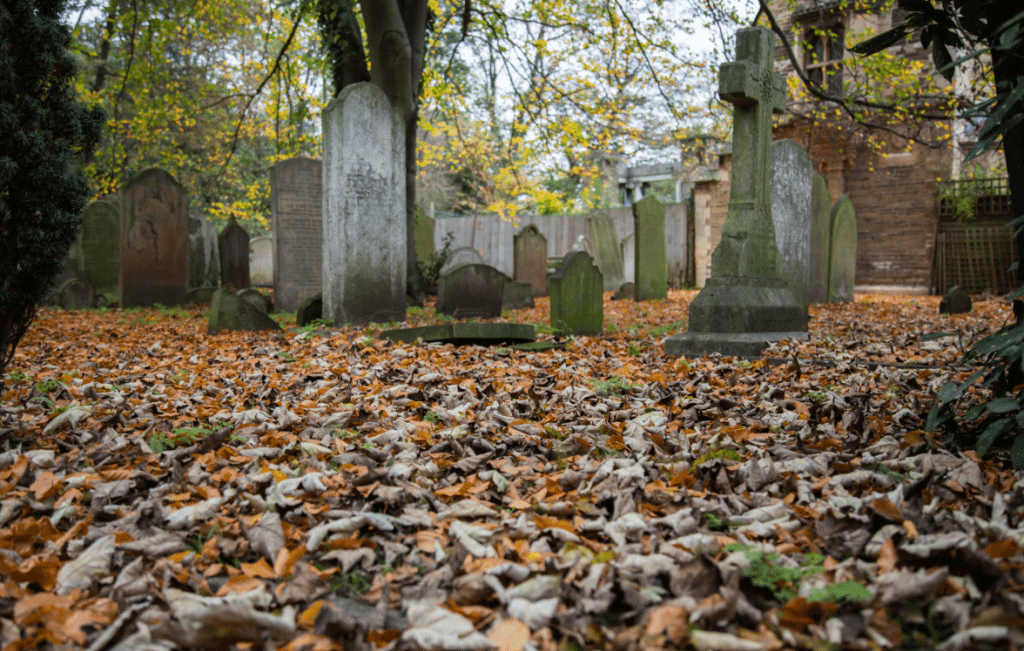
[791, 214]
[607, 252]
[530, 259]
[154, 241]
[577, 296]
[820, 240]
[100, 244]
[842, 252]
[364, 226]
[296, 215]
[650, 278]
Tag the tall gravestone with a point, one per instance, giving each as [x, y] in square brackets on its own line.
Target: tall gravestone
[424, 236]
[791, 214]
[843, 252]
[364, 252]
[746, 304]
[154, 240]
[296, 217]
[261, 261]
[820, 240]
[100, 245]
[233, 246]
[650, 277]
[607, 252]
[530, 259]
[471, 291]
[577, 296]
[203, 256]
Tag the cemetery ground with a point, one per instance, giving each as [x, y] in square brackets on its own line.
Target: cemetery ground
[325, 489]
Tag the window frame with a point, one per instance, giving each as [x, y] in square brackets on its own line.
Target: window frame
[828, 72]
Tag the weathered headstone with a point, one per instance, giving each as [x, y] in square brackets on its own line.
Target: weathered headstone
[577, 296]
[625, 292]
[628, 248]
[746, 304]
[229, 311]
[956, 301]
[424, 235]
[791, 214]
[296, 216]
[607, 252]
[842, 268]
[311, 309]
[471, 291]
[530, 259]
[203, 256]
[233, 246]
[364, 227]
[257, 299]
[261, 261]
[100, 244]
[821, 235]
[199, 295]
[154, 240]
[75, 294]
[517, 296]
[650, 279]
[460, 256]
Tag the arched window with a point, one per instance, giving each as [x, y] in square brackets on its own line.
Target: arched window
[823, 60]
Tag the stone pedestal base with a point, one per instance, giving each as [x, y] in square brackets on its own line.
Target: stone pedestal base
[730, 344]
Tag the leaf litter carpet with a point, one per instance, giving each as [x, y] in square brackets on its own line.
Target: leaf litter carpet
[165, 489]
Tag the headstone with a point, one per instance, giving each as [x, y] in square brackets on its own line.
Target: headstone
[460, 256]
[821, 232]
[100, 244]
[625, 292]
[199, 295]
[261, 261]
[956, 301]
[628, 247]
[364, 226]
[258, 299]
[791, 214]
[577, 296]
[745, 304]
[75, 294]
[424, 234]
[607, 252]
[229, 311]
[650, 279]
[517, 296]
[471, 291]
[233, 246]
[311, 309]
[203, 256]
[296, 217]
[842, 268]
[154, 241]
[530, 259]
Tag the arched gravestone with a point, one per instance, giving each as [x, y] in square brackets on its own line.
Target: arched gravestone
[296, 213]
[577, 296]
[462, 255]
[843, 252]
[154, 240]
[100, 244]
[791, 214]
[820, 240]
[471, 291]
[530, 259]
[233, 245]
[607, 252]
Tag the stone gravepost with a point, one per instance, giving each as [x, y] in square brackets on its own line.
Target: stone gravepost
[364, 251]
[101, 246]
[577, 296]
[296, 217]
[650, 275]
[791, 214]
[530, 259]
[154, 241]
[607, 253]
[842, 267]
[821, 238]
[233, 244]
[746, 304]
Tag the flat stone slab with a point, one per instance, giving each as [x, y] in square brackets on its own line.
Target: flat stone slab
[730, 344]
[482, 334]
[541, 346]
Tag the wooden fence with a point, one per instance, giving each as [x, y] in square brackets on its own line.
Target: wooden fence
[973, 248]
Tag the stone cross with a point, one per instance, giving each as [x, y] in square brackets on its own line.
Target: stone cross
[751, 84]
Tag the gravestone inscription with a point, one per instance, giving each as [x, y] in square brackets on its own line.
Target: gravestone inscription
[154, 241]
[297, 231]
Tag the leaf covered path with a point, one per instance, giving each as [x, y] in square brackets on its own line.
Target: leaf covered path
[161, 488]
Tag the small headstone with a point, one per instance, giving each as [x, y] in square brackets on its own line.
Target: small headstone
[154, 241]
[821, 231]
[607, 251]
[203, 255]
[261, 261]
[842, 252]
[364, 214]
[100, 244]
[423, 232]
[311, 309]
[517, 296]
[199, 296]
[471, 291]
[956, 301]
[233, 245]
[624, 292]
[577, 296]
[296, 217]
[480, 334]
[530, 260]
[651, 277]
[460, 256]
[628, 247]
[258, 299]
[229, 311]
[791, 214]
[76, 294]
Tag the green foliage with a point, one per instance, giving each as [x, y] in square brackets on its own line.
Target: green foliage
[43, 127]
[432, 270]
[847, 592]
[614, 385]
[317, 324]
[719, 453]
[161, 441]
[783, 582]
